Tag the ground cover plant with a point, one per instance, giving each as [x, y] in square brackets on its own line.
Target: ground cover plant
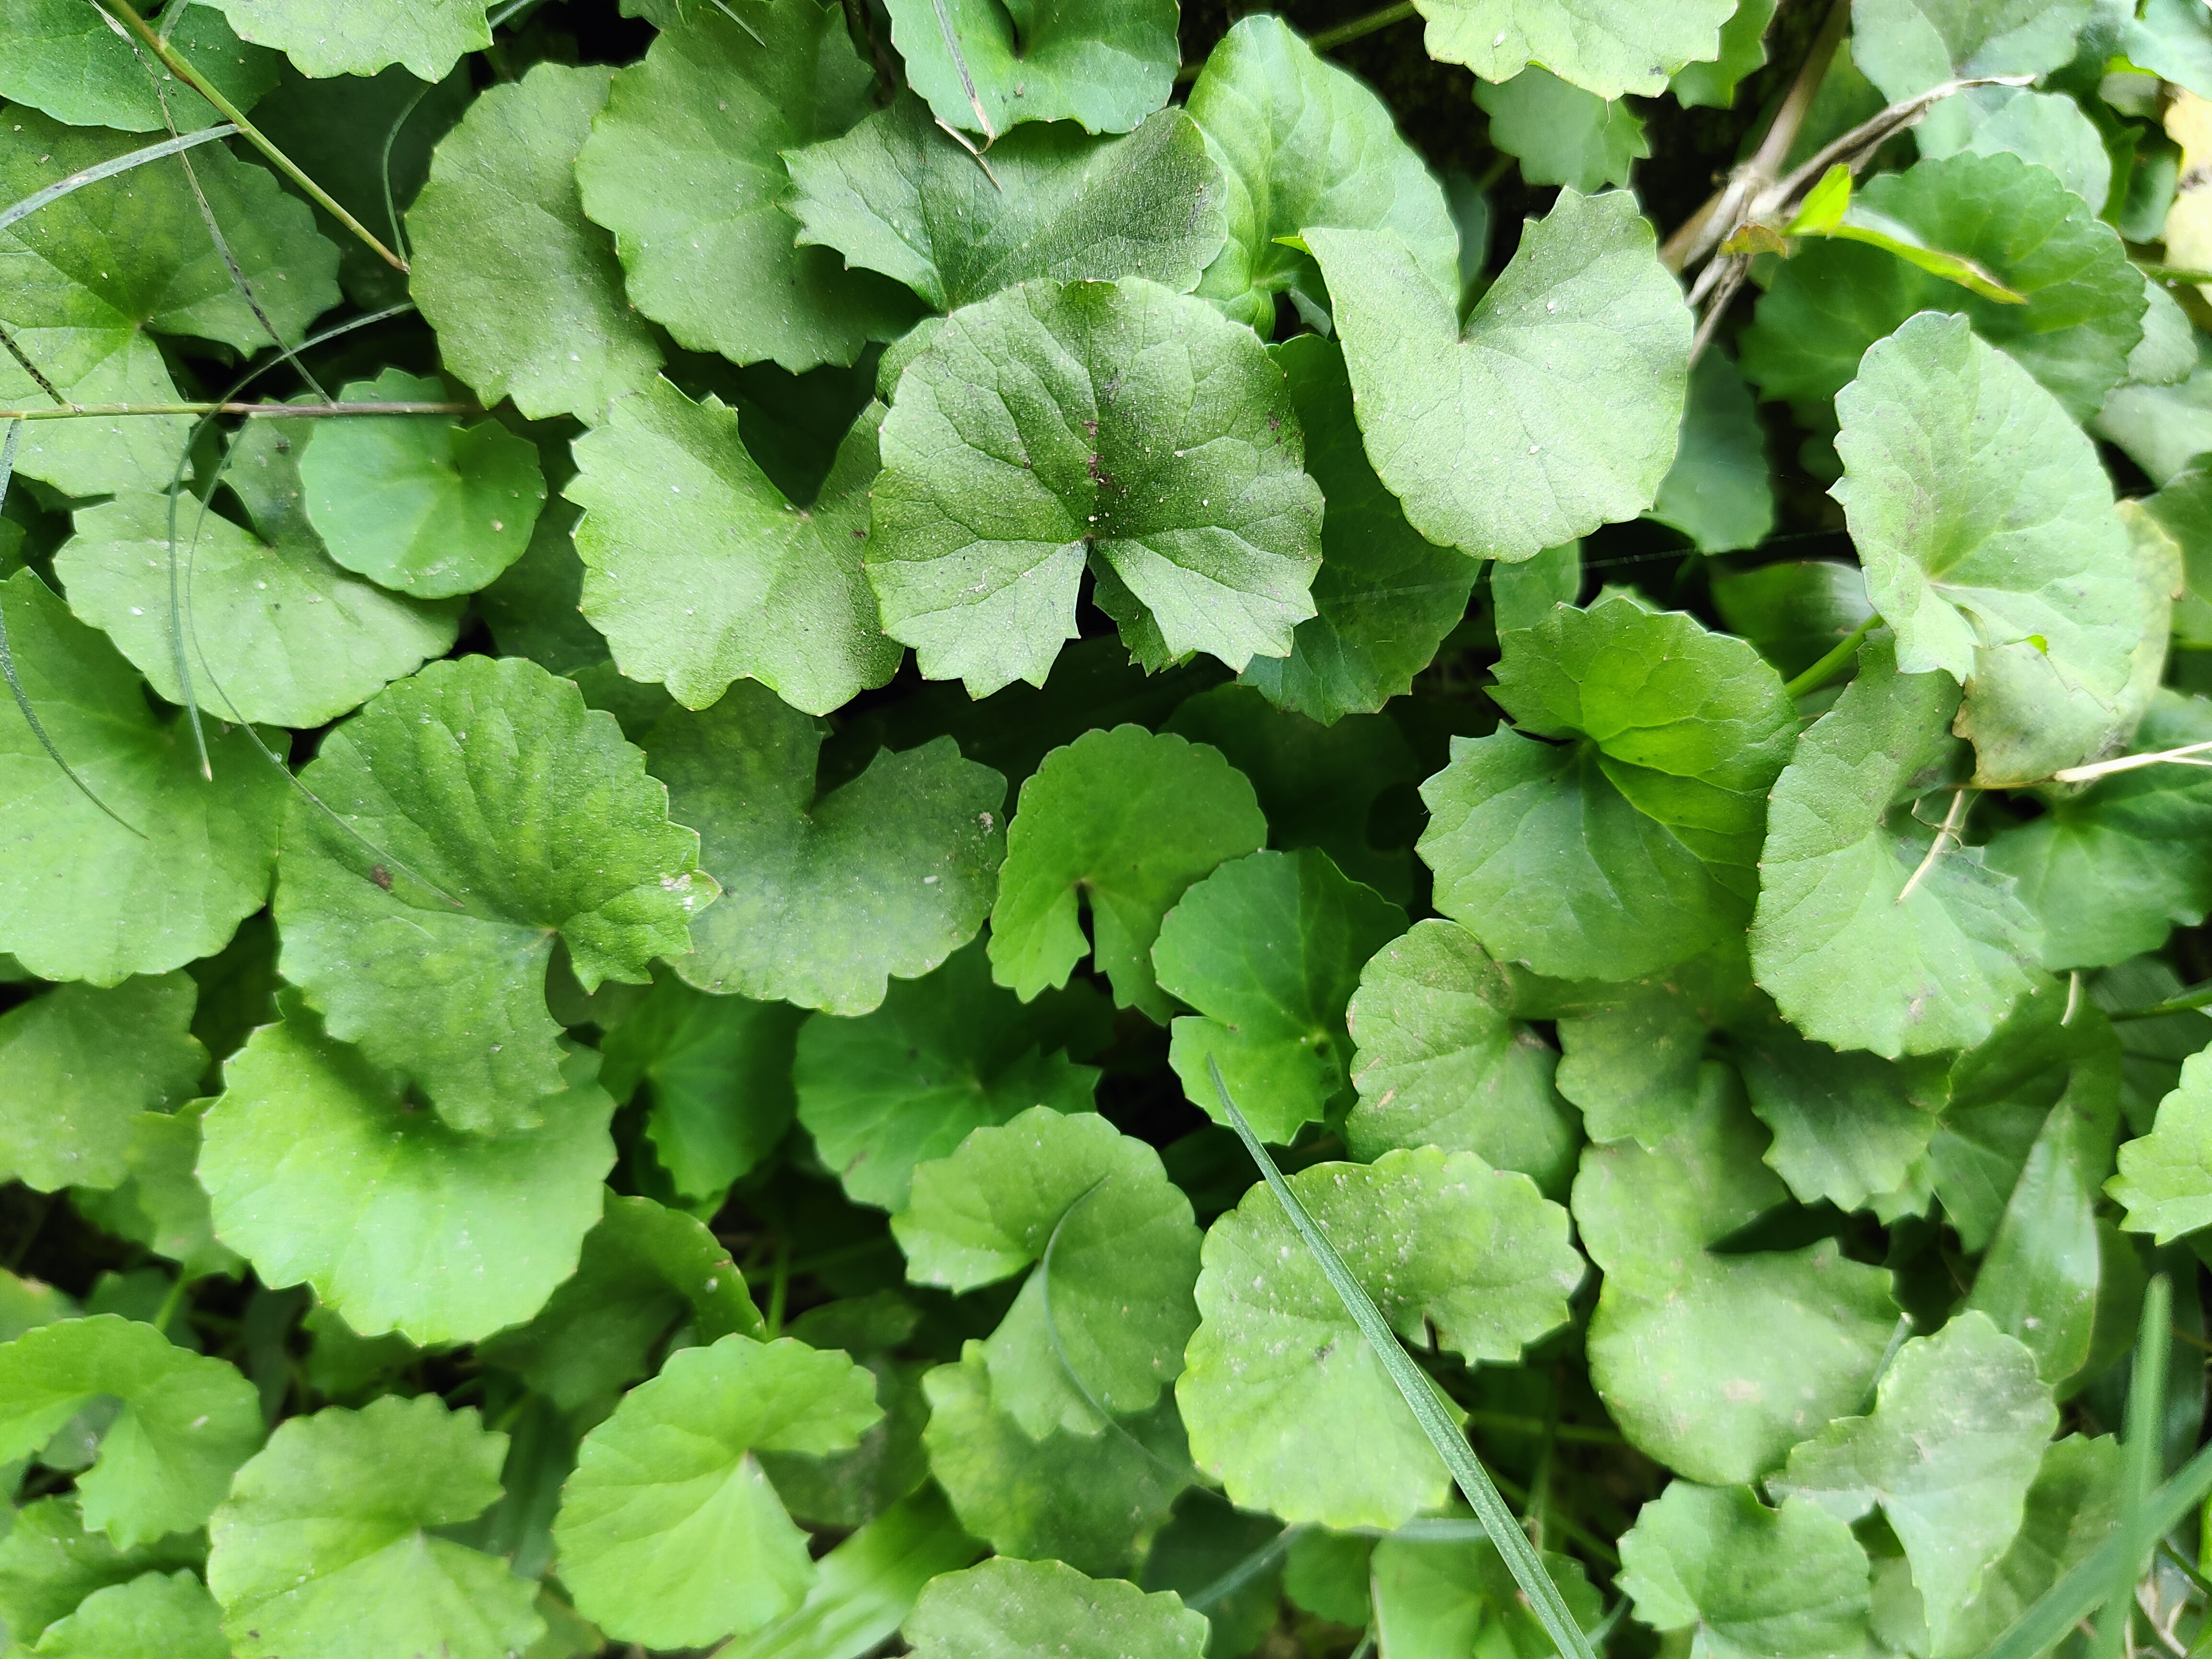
[1014, 830]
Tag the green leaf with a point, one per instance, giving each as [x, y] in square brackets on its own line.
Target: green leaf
[1442, 1062]
[1834, 299]
[943, 1054]
[2016, 577]
[1848, 1127]
[49, 1564]
[160, 1202]
[1712, 84]
[685, 167]
[421, 505]
[1288, 1404]
[359, 36]
[669, 1534]
[64, 59]
[1269, 949]
[79, 1065]
[2165, 1181]
[868, 1583]
[701, 572]
[830, 894]
[1603, 46]
[525, 293]
[1633, 1064]
[322, 1169]
[1717, 1364]
[186, 1420]
[152, 1617]
[1106, 64]
[1384, 597]
[2070, 1511]
[1856, 952]
[1301, 142]
[325, 1549]
[899, 195]
[1795, 611]
[488, 778]
[1907, 46]
[1958, 1430]
[1484, 432]
[82, 896]
[1103, 1323]
[2045, 128]
[1749, 1582]
[644, 1271]
[1437, 1599]
[2039, 1281]
[1718, 493]
[1128, 821]
[1561, 134]
[1122, 427]
[1048, 1610]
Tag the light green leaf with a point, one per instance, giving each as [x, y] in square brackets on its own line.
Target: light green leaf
[160, 1202]
[1561, 134]
[2165, 1181]
[899, 195]
[942, 1055]
[320, 1168]
[1120, 426]
[1115, 1310]
[64, 59]
[2045, 128]
[150, 1618]
[1747, 1582]
[78, 1065]
[2039, 1281]
[1301, 144]
[1603, 46]
[701, 572]
[1106, 64]
[1717, 1364]
[868, 1582]
[1986, 526]
[669, 1534]
[2072, 1508]
[1288, 1404]
[81, 895]
[1269, 949]
[359, 36]
[1718, 493]
[1848, 1127]
[1712, 83]
[2172, 41]
[830, 895]
[1127, 820]
[685, 166]
[489, 778]
[1906, 46]
[1856, 951]
[1486, 432]
[1046, 1610]
[525, 293]
[1956, 1435]
[1437, 1599]
[325, 1549]
[49, 1564]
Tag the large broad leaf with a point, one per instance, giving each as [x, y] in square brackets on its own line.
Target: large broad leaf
[1385, 596]
[1048, 1610]
[1125, 821]
[1604, 47]
[1632, 845]
[1489, 432]
[685, 166]
[1288, 1404]
[1303, 144]
[359, 36]
[321, 1169]
[1561, 134]
[1986, 526]
[2165, 1181]
[326, 1546]
[1269, 949]
[700, 571]
[830, 894]
[64, 59]
[78, 1067]
[82, 897]
[1118, 426]
[942, 1055]
[1716, 1365]
[186, 1420]
[525, 292]
[495, 815]
[49, 1564]
[1835, 298]
[1749, 1582]
[1868, 934]
[1097, 1331]
[984, 68]
[152, 1617]
[900, 195]
[669, 1534]
[1956, 1435]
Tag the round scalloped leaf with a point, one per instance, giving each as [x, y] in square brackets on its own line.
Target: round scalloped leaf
[152, 1617]
[1849, 1127]
[320, 1168]
[1286, 1403]
[1106, 64]
[1604, 47]
[324, 38]
[64, 59]
[1907, 46]
[1046, 1610]
[79, 1065]
[325, 1551]
[2165, 1181]
[685, 168]
[1116, 1309]
[669, 1535]
[82, 896]
[486, 813]
[1119, 425]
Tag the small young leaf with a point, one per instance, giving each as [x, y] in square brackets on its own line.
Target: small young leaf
[1848, 1127]
[79, 1065]
[2165, 1181]
[359, 36]
[1106, 64]
[1046, 1610]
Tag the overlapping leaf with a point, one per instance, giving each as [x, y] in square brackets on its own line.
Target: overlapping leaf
[985, 68]
[64, 59]
[359, 36]
[1027, 1609]
[1604, 47]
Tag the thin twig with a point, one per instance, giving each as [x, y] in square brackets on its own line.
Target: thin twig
[1949, 831]
[2185, 755]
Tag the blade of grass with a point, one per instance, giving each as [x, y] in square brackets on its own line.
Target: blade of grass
[2139, 1470]
[107, 169]
[1474, 1482]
